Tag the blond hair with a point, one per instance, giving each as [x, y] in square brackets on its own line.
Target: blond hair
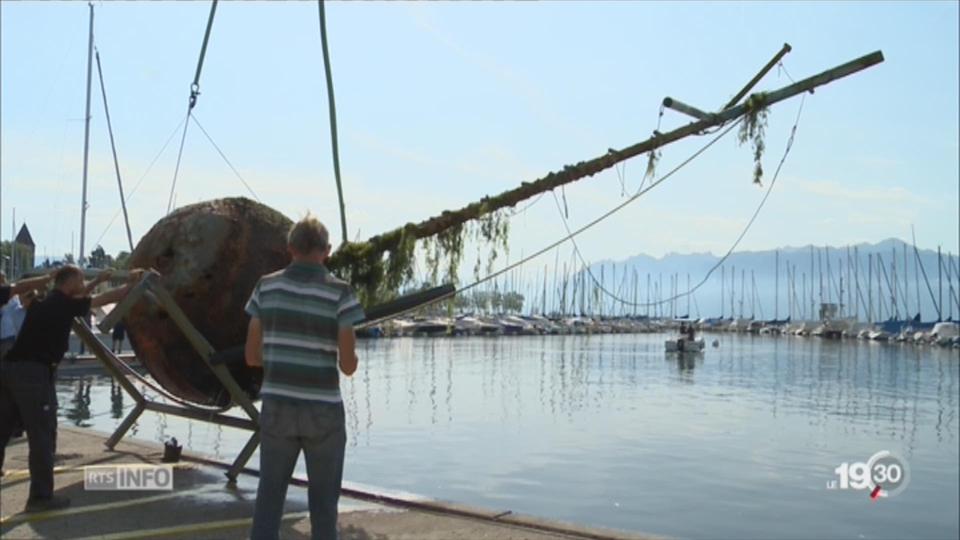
[308, 235]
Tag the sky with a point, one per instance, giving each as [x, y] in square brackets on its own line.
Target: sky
[439, 104]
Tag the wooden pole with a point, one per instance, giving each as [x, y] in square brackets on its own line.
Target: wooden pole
[392, 240]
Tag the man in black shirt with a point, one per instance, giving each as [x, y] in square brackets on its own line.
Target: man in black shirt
[27, 389]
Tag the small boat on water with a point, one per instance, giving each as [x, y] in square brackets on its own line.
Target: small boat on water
[468, 325]
[684, 345]
[516, 326]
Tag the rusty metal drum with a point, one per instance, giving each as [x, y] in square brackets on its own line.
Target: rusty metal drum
[210, 256]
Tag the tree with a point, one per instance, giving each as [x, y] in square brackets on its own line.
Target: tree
[513, 302]
[100, 259]
[122, 260]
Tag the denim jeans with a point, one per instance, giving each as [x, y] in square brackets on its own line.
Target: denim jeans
[287, 427]
[28, 395]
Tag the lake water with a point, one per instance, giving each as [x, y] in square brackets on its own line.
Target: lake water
[609, 430]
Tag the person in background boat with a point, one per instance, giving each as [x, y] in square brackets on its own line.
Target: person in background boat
[119, 334]
[27, 389]
[301, 332]
[11, 319]
[691, 332]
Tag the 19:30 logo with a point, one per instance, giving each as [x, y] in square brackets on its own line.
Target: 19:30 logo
[885, 474]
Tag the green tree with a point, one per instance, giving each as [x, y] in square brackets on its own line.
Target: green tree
[100, 259]
[513, 302]
[122, 260]
[23, 259]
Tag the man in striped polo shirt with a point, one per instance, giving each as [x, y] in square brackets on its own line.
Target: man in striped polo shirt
[301, 332]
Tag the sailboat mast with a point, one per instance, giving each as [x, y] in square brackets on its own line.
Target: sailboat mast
[743, 287]
[723, 281]
[940, 284]
[893, 279]
[86, 143]
[647, 307]
[811, 282]
[776, 285]
[733, 286]
[803, 294]
[906, 284]
[870, 288]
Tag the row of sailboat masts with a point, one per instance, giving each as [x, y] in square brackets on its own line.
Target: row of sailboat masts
[886, 294]
[836, 283]
[603, 290]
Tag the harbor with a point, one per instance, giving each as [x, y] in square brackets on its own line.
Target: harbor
[566, 427]
[519, 271]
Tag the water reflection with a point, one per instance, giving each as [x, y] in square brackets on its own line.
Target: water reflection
[567, 426]
[116, 399]
[79, 410]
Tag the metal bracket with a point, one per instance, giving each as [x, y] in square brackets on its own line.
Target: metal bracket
[151, 289]
[688, 110]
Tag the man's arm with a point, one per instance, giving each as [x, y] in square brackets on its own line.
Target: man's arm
[110, 297]
[349, 313]
[31, 284]
[347, 342]
[253, 351]
[101, 278]
[115, 295]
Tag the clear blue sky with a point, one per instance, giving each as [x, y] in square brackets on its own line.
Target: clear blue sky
[442, 103]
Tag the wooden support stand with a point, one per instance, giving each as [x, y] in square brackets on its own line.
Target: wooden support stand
[150, 289]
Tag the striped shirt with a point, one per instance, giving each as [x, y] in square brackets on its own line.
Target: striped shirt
[301, 310]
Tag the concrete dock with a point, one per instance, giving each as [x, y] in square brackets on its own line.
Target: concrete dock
[203, 506]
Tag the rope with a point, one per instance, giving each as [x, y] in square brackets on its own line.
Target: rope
[743, 233]
[333, 117]
[113, 149]
[219, 151]
[569, 236]
[140, 181]
[176, 170]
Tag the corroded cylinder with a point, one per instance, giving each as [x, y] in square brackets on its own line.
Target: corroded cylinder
[210, 256]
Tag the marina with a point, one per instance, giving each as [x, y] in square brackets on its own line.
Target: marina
[438, 305]
[567, 427]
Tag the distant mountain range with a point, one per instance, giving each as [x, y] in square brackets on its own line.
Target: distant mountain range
[753, 275]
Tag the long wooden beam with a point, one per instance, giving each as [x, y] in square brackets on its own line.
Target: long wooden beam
[391, 240]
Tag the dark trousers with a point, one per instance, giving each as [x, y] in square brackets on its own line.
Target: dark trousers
[28, 395]
[285, 429]
[6, 345]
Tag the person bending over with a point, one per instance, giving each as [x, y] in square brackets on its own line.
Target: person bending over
[27, 389]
